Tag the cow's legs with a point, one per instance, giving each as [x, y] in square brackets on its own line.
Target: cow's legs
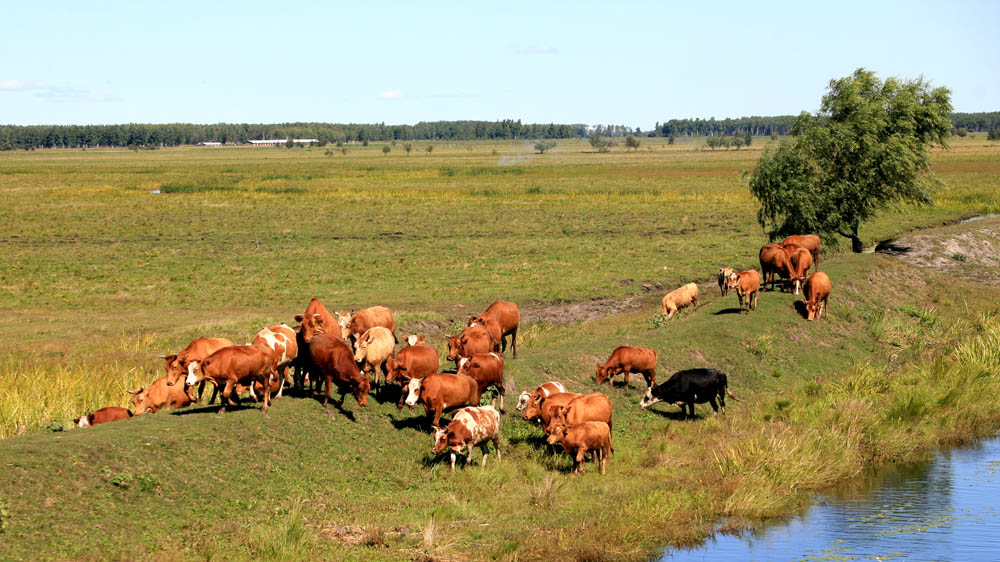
[496, 444]
[267, 394]
[485, 446]
[453, 456]
[326, 396]
[627, 372]
[605, 451]
[581, 454]
[715, 406]
[501, 391]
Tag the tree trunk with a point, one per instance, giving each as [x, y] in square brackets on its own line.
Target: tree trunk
[857, 246]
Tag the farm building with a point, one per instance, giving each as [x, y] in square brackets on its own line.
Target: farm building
[273, 142]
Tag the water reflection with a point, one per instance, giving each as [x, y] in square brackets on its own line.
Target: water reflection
[943, 509]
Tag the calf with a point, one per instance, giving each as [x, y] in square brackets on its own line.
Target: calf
[441, 391]
[810, 242]
[542, 409]
[412, 362]
[578, 440]
[627, 359]
[158, 396]
[801, 260]
[487, 370]
[470, 427]
[356, 323]
[747, 288]
[114, 413]
[817, 295]
[680, 298]
[727, 280]
[334, 364]
[473, 339]
[501, 319]
[283, 343]
[774, 260]
[690, 387]
[177, 363]
[243, 364]
[543, 390]
[589, 407]
[373, 348]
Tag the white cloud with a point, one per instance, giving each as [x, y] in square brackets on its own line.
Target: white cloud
[391, 95]
[50, 92]
[537, 50]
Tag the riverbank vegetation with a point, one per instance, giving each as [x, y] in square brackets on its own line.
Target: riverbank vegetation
[102, 275]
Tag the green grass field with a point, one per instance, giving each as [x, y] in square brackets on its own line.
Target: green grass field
[101, 276]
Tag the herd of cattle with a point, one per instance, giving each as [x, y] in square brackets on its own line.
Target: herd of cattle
[356, 350]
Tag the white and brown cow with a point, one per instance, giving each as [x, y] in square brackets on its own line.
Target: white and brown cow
[470, 427]
[356, 323]
[372, 349]
[543, 390]
[282, 343]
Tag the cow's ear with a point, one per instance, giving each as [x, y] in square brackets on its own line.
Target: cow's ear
[298, 318]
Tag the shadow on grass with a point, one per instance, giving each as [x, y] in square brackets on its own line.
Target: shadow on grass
[800, 307]
[677, 415]
[421, 423]
[891, 247]
[728, 311]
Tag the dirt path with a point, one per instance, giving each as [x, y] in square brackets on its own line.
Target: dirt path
[969, 249]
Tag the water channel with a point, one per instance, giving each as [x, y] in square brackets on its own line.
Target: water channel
[944, 509]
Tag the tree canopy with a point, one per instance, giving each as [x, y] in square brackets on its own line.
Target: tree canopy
[867, 148]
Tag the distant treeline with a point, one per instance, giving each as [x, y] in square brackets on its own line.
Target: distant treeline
[150, 135]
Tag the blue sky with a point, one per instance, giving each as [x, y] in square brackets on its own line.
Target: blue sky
[629, 63]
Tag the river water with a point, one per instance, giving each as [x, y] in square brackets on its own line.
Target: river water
[945, 509]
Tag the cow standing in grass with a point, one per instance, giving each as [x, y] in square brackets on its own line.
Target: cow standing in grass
[628, 359]
[578, 440]
[243, 364]
[501, 319]
[774, 261]
[470, 427]
[747, 289]
[817, 295]
[690, 387]
[177, 363]
[680, 298]
[544, 390]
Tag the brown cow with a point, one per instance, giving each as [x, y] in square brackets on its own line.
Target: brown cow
[817, 294]
[680, 298]
[727, 280]
[774, 260]
[501, 319]
[441, 391]
[595, 406]
[356, 323]
[470, 427]
[414, 361]
[747, 288]
[372, 349]
[801, 260]
[158, 396]
[282, 342]
[177, 363]
[114, 413]
[316, 320]
[487, 369]
[543, 408]
[243, 364]
[415, 339]
[473, 339]
[810, 242]
[578, 440]
[627, 359]
[544, 390]
[334, 364]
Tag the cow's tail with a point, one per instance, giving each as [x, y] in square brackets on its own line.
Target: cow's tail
[725, 388]
[731, 395]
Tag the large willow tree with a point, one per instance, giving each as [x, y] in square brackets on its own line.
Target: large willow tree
[867, 148]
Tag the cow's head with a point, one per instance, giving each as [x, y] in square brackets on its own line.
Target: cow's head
[473, 320]
[602, 373]
[196, 371]
[558, 418]
[140, 401]
[454, 347]
[310, 325]
[441, 438]
[413, 392]
[812, 307]
[414, 339]
[345, 321]
[394, 370]
[523, 399]
[361, 391]
[466, 365]
[175, 370]
[361, 348]
[83, 421]
[797, 283]
[556, 429]
[648, 400]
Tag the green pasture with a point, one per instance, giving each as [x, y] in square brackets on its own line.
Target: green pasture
[100, 276]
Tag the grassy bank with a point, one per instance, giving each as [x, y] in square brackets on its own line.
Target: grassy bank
[906, 362]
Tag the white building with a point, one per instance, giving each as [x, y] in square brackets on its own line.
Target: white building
[274, 142]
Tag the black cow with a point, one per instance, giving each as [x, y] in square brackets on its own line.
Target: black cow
[690, 387]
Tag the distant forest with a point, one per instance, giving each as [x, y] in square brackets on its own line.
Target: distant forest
[13, 137]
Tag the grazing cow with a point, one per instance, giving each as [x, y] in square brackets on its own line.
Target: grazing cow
[801, 260]
[501, 319]
[543, 390]
[316, 320]
[243, 364]
[595, 406]
[578, 440]
[543, 408]
[774, 260]
[177, 363]
[747, 288]
[158, 396]
[473, 339]
[356, 323]
[441, 391]
[283, 343]
[114, 413]
[411, 362]
[727, 279]
[817, 295]
[810, 242]
[373, 348]
[680, 298]
[470, 427]
[487, 369]
[414, 339]
[303, 363]
[334, 364]
[690, 387]
[627, 359]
